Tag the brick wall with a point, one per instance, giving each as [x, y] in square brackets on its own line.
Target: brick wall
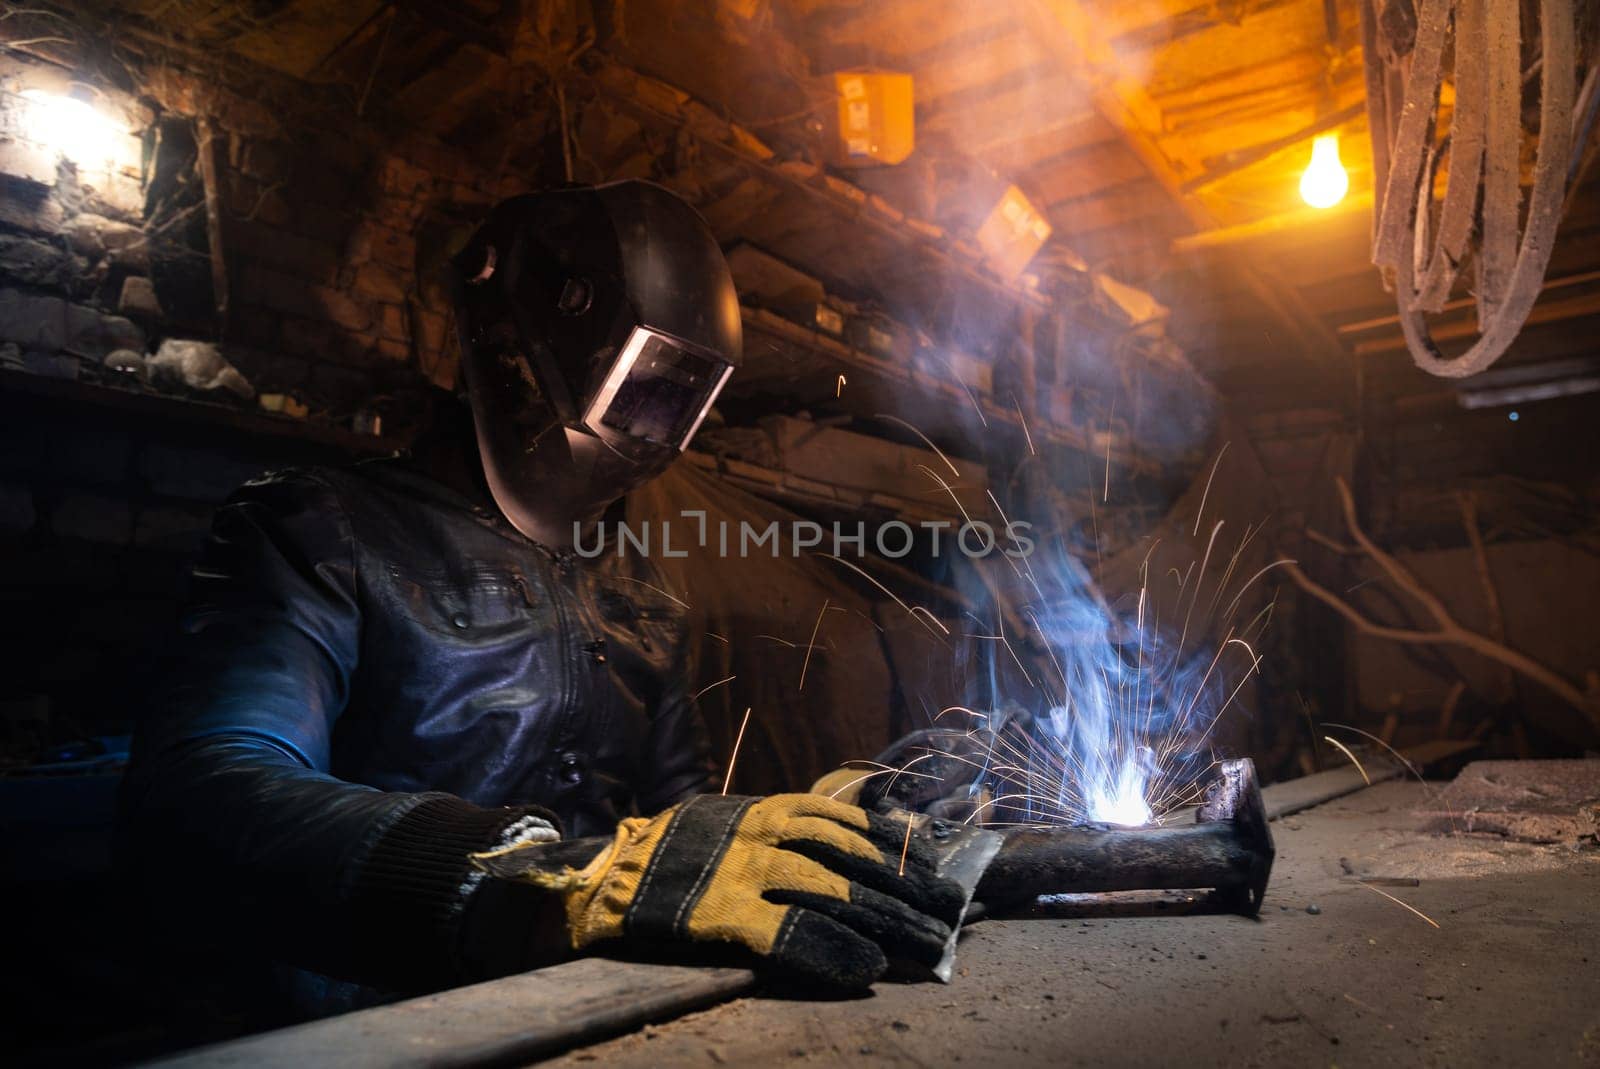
[319, 216]
[322, 220]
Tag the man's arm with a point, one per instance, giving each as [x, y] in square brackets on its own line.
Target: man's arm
[680, 747]
[229, 814]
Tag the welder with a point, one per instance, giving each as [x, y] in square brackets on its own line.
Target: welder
[390, 667]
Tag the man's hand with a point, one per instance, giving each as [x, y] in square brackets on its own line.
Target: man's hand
[814, 886]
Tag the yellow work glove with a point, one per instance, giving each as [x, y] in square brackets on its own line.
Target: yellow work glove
[814, 886]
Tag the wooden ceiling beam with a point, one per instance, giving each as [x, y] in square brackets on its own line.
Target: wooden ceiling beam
[848, 204]
[1086, 172]
[1230, 50]
[490, 36]
[1236, 161]
[1554, 312]
[1016, 143]
[1114, 206]
[1072, 33]
[1230, 237]
[1010, 56]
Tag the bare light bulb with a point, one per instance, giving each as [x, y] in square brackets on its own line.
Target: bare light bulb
[1325, 181]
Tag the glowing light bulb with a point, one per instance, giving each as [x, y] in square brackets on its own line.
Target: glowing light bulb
[72, 127]
[1325, 182]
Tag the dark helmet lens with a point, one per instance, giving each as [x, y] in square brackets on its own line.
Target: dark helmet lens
[665, 391]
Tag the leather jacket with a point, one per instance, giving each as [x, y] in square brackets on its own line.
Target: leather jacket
[374, 666]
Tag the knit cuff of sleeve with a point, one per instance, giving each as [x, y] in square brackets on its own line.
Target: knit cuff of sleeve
[411, 892]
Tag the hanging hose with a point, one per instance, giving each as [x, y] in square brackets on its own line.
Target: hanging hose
[1483, 192]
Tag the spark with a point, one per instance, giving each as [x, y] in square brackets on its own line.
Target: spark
[961, 709]
[1251, 582]
[935, 476]
[937, 451]
[1105, 492]
[812, 645]
[883, 770]
[959, 381]
[1207, 491]
[892, 594]
[1015, 659]
[1128, 712]
[906, 849]
[1398, 902]
[1006, 520]
[838, 388]
[720, 638]
[727, 780]
[1342, 748]
[976, 407]
[1409, 767]
[713, 686]
[1398, 756]
[1023, 420]
[658, 590]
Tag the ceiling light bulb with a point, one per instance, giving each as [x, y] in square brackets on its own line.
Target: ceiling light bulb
[1325, 181]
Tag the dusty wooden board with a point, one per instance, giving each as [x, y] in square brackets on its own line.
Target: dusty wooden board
[1294, 795]
[518, 1018]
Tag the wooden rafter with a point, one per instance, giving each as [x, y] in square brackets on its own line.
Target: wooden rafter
[1072, 33]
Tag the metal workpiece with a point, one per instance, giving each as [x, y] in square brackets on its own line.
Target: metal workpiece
[1227, 849]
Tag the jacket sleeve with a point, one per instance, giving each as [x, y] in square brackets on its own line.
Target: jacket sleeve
[229, 814]
[680, 747]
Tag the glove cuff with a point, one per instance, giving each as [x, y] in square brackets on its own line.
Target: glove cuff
[412, 890]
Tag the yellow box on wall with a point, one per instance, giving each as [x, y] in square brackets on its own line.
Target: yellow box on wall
[1013, 231]
[874, 122]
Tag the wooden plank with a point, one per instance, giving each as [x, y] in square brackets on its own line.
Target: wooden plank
[966, 117]
[1014, 143]
[295, 36]
[514, 1019]
[902, 29]
[1269, 226]
[1226, 50]
[1389, 322]
[1300, 68]
[1086, 172]
[152, 408]
[1239, 159]
[1004, 57]
[1294, 795]
[1463, 329]
[1109, 208]
[1132, 16]
[1136, 255]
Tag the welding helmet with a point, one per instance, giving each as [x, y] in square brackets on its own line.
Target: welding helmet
[597, 327]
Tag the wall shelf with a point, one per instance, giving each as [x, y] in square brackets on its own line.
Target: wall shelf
[804, 364]
[165, 408]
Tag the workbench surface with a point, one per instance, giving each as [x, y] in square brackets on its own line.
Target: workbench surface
[1332, 973]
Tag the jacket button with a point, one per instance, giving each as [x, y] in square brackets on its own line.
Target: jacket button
[460, 620]
[572, 767]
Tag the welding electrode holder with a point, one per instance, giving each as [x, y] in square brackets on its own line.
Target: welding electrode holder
[1227, 849]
